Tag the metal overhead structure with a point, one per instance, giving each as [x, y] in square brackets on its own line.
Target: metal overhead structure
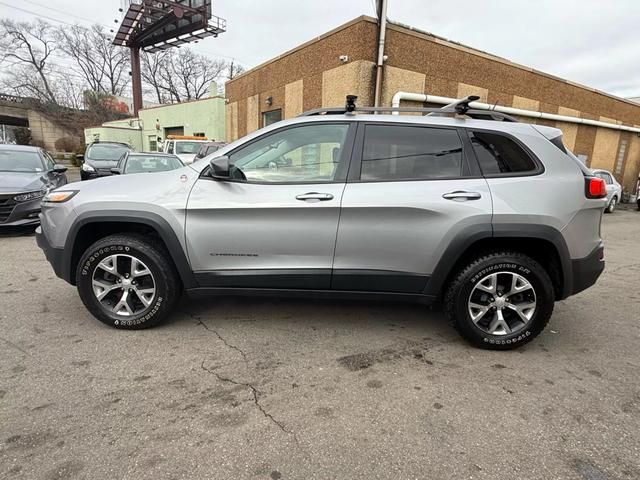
[156, 25]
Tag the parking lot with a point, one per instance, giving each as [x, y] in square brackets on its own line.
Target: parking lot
[277, 389]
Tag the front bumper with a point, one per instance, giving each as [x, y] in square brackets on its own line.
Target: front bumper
[18, 214]
[586, 270]
[55, 256]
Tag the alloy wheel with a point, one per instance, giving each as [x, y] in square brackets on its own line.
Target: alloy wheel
[502, 303]
[123, 285]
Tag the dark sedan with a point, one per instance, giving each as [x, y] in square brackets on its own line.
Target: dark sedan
[133, 162]
[26, 175]
[100, 158]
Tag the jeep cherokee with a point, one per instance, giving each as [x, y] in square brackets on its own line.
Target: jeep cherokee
[494, 218]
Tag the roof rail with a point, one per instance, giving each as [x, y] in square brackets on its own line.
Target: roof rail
[459, 107]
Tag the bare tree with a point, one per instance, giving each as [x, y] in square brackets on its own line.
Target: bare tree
[234, 69]
[104, 65]
[28, 47]
[178, 76]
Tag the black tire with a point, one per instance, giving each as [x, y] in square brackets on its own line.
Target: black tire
[460, 290]
[612, 205]
[162, 272]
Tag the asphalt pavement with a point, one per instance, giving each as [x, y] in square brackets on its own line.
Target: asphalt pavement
[293, 389]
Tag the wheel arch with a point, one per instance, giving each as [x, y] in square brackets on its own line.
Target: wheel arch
[90, 227]
[543, 243]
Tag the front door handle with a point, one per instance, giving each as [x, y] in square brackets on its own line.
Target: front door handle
[315, 196]
[460, 195]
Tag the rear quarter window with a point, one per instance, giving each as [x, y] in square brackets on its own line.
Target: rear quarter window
[499, 154]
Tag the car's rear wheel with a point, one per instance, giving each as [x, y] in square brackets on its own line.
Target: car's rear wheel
[500, 301]
[127, 281]
[612, 205]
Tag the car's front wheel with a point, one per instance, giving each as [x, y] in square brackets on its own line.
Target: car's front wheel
[500, 301]
[127, 281]
[612, 205]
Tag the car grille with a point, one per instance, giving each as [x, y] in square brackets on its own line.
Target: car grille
[103, 171]
[7, 204]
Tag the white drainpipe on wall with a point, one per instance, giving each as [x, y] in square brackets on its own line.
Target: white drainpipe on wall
[421, 97]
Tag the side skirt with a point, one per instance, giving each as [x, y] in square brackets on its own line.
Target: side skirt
[308, 293]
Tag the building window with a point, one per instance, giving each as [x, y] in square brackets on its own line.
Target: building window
[271, 117]
[620, 160]
[153, 143]
[199, 134]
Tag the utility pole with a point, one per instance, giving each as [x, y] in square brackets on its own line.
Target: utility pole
[382, 29]
[136, 80]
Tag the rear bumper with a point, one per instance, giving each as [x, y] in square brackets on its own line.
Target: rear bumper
[55, 256]
[585, 271]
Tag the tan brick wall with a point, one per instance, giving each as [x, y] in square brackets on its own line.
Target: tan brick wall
[525, 103]
[605, 149]
[569, 130]
[353, 78]
[231, 121]
[632, 166]
[293, 99]
[465, 89]
[396, 79]
[253, 113]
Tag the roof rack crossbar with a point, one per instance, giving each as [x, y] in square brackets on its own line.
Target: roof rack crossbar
[459, 107]
[449, 111]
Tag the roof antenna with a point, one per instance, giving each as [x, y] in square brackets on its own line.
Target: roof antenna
[351, 104]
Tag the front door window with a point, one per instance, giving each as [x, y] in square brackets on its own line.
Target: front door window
[303, 154]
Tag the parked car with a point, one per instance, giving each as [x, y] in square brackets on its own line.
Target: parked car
[495, 218]
[132, 162]
[209, 148]
[614, 189]
[184, 146]
[100, 157]
[26, 175]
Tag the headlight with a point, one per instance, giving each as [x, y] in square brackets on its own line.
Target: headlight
[88, 168]
[59, 196]
[25, 197]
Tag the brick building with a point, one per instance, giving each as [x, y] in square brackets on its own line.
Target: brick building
[322, 71]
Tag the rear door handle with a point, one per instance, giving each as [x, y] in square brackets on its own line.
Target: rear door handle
[315, 196]
[461, 195]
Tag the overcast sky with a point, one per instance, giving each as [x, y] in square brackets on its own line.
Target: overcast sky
[592, 42]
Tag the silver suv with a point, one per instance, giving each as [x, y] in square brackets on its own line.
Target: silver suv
[491, 217]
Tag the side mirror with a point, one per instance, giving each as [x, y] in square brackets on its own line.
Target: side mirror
[116, 171]
[80, 156]
[220, 167]
[59, 168]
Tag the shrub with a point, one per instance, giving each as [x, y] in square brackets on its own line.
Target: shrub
[68, 144]
[23, 136]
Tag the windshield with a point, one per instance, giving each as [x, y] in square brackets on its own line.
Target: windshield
[106, 152]
[151, 163]
[188, 147]
[19, 161]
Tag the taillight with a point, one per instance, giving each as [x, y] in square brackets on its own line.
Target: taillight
[595, 187]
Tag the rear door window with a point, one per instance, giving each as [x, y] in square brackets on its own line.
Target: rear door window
[401, 152]
[500, 154]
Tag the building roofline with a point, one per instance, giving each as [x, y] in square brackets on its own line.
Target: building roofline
[400, 27]
[182, 103]
[305, 44]
[480, 53]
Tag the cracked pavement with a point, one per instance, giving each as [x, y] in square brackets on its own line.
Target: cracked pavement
[263, 388]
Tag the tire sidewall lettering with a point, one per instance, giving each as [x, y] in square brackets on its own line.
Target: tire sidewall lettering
[89, 266]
